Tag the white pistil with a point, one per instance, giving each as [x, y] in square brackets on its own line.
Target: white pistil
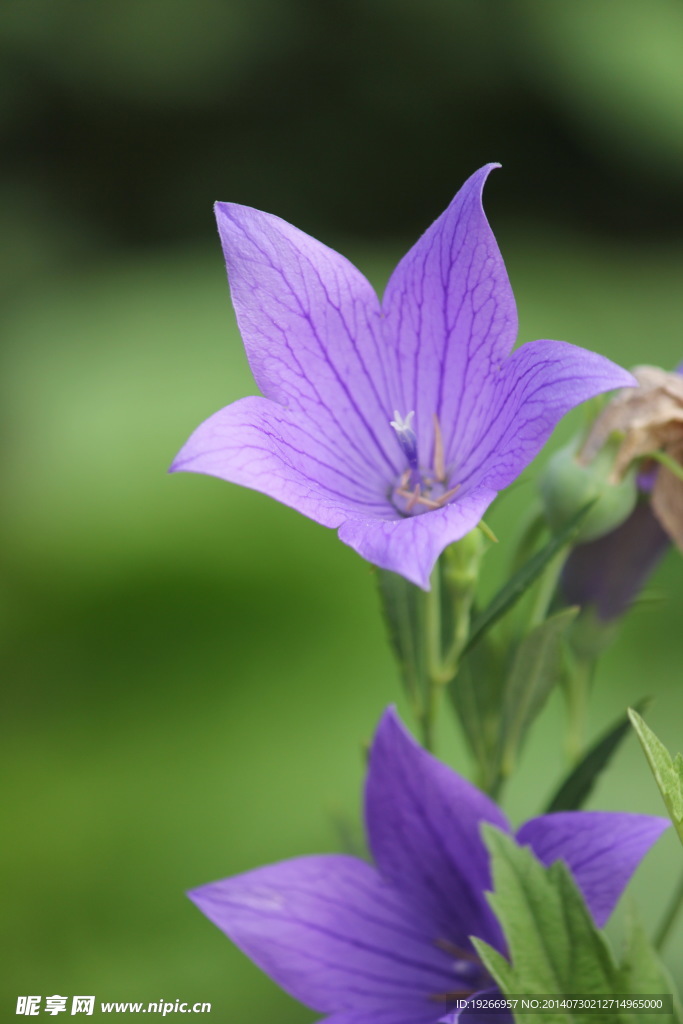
[401, 425]
[406, 436]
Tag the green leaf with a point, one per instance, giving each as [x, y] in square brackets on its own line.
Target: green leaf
[476, 694]
[643, 973]
[403, 607]
[511, 592]
[536, 669]
[554, 947]
[578, 785]
[667, 770]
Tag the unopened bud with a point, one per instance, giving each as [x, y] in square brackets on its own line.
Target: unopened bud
[568, 485]
[462, 559]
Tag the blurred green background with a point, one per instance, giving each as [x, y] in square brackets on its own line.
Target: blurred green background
[191, 669]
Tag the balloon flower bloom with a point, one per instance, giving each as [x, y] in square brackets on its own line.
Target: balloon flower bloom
[390, 943]
[395, 423]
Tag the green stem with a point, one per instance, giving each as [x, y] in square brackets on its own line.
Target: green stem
[669, 919]
[442, 668]
[462, 608]
[666, 460]
[546, 588]
[453, 584]
[432, 621]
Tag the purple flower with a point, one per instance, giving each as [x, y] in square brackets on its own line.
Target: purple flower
[397, 423]
[391, 944]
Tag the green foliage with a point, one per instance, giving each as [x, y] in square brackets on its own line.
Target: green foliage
[510, 593]
[536, 669]
[495, 699]
[498, 706]
[578, 784]
[475, 696]
[554, 947]
[667, 770]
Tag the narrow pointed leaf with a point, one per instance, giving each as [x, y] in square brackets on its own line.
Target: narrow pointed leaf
[476, 694]
[403, 607]
[516, 587]
[536, 670]
[667, 770]
[578, 784]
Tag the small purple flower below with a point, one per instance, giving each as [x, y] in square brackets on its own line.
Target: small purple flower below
[390, 944]
[395, 423]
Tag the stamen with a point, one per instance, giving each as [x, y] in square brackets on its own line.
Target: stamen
[406, 436]
[448, 997]
[439, 457]
[428, 503]
[456, 951]
[447, 495]
[421, 488]
[414, 498]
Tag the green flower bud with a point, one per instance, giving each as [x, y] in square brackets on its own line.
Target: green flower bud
[462, 559]
[567, 485]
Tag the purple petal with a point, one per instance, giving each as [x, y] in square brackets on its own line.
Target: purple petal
[335, 936]
[312, 331]
[260, 444]
[524, 400]
[450, 309]
[601, 849]
[412, 546]
[423, 823]
[609, 572]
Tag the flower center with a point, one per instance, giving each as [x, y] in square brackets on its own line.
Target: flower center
[420, 490]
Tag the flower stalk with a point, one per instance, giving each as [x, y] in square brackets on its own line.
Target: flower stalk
[448, 605]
